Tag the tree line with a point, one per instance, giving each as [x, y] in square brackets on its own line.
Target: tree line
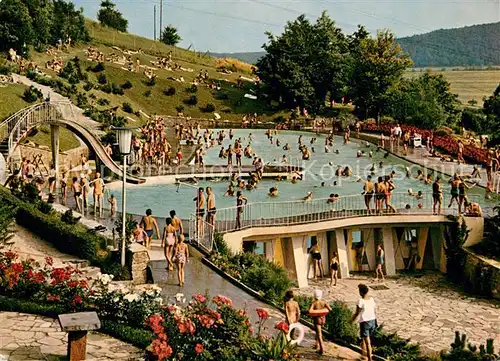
[312, 64]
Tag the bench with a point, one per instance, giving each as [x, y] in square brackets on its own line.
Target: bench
[77, 325]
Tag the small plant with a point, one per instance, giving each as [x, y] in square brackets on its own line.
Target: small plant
[127, 85]
[102, 101]
[147, 93]
[106, 88]
[169, 91]
[32, 94]
[151, 82]
[192, 100]
[68, 218]
[101, 78]
[127, 108]
[88, 86]
[116, 89]
[338, 323]
[179, 108]
[191, 89]
[96, 69]
[44, 207]
[209, 108]
[81, 100]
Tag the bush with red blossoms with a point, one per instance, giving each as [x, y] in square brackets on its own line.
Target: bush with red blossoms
[209, 330]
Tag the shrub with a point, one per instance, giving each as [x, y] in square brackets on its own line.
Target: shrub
[127, 108]
[32, 94]
[221, 245]
[101, 79]
[151, 82]
[192, 100]
[338, 323]
[209, 108]
[179, 108]
[5, 69]
[393, 347]
[68, 218]
[147, 93]
[7, 216]
[44, 207]
[461, 350]
[106, 88]
[191, 89]
[116, 89]
[169, 91]
[88, 86]
[103, 101]
[97, 69]
[127, 85]
[81, 100]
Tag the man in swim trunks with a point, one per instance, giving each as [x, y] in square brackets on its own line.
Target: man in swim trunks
[98, 185]
[148, 222]
[437, 195]
[210, 206]
[200, 210]
[368, 191]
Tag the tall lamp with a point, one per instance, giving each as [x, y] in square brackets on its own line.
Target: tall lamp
[124, 145]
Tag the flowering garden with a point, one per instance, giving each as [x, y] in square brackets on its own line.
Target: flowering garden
[445, 142]
[202, 329]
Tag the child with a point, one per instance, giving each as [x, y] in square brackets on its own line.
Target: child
[112, 203]
[318, 311]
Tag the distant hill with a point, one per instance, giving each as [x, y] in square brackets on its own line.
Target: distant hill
[475, 45]
[250, 58]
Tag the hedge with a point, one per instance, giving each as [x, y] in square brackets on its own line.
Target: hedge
[138, 337]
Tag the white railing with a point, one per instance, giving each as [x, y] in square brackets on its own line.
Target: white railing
[267, 214]
[202, 233]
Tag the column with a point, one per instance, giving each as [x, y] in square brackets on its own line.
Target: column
[390, 260]
[299, 261]
[325, 259]
[54, 138]
[342, 253]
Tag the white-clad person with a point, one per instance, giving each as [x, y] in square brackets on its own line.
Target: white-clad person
[365, 310]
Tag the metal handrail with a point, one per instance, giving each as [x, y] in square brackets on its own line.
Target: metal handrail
[285, 213]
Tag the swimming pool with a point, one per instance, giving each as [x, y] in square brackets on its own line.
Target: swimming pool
[162, 198]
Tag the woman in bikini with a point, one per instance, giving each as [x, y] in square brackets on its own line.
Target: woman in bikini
[181, 258]
[169, 240]
[334, 268]
[316, 256]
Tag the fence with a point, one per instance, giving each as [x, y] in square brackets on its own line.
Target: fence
[267, 214]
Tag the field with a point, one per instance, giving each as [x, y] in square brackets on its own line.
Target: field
[469, 84]
[12, 101]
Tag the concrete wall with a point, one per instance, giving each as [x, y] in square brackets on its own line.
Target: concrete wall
[473, 278]
[67, 160]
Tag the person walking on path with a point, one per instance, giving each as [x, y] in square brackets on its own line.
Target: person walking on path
[148, 222]
[365, 310]
[334, 269]
[177, 223]
[98, 185]
[181, 257]
[292, 310]
[437, 196]
[380, 258]
[169, 241]
[318, 311]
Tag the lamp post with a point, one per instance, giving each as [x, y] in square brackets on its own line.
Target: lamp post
[124, 145]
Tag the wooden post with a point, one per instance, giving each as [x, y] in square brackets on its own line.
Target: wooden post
[77, 325]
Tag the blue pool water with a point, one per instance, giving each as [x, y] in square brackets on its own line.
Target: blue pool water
[162, 198]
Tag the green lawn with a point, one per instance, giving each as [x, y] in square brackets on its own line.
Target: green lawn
[11, 99]
[67, 140]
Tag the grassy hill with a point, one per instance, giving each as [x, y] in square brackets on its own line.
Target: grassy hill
[475, 45]
[250, 57]
[229, 101]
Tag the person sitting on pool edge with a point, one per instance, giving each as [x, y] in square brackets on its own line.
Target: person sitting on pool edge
[333, 198]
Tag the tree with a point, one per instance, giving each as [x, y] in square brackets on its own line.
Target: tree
[491, 108]
[377, 66]
[68, 21]
[170, 36]
[109, 16]
[16, 25]
[304, 64]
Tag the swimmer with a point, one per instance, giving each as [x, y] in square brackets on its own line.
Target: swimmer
[286, 147]
[428, 179]
[337, 151]
[312, 149]
[284, 159]
[229, 191]
[381, 165]
[308, 197]
[333, 198]
[408, 173]
[370, 154]
[294, 180]
[410, 192]
[273, 192]
[338, 171]
[327, 150]
[330, 164]
[419, 196]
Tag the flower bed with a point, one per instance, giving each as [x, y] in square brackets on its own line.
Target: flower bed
[207, 329]
[446, 143]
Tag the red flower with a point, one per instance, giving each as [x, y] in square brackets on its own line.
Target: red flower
[198, 348]
[222, 300]
[186, 326]
[77, 300]
[53, 298]
[262, 313]
[17, 268]
[200, 298]
[72, 284]
[282, 326]
[49, 261]
[10, 255]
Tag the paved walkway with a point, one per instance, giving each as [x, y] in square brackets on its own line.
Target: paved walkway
[25, 337]
[426, 309]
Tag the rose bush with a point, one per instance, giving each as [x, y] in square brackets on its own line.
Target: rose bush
[207, 329]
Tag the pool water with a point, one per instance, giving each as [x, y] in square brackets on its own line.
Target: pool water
[162, 198]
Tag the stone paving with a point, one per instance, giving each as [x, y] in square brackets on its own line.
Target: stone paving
[426, 309]
[25, 337]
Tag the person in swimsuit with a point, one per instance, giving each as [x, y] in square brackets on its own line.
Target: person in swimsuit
[148, 222]
[211, 207]
[98, 185]
[240, 203]
[177, 223]
[368, 191]
[379, 195]
[140, 236]
[64, 188]
[76, 187]
[319, 304]
[169, 239]
[181, 256]
[380, 263]
[200, 210]
[315, 252]
[437, 195]
[389, 187]
[112, 205]
[334, 268]
[455, 183]
[52, 179]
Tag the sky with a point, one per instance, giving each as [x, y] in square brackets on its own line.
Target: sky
[239, 25]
